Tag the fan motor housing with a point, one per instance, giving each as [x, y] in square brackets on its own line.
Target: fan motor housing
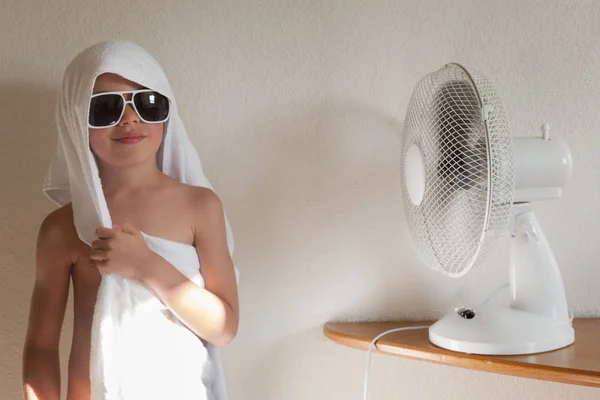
[543, 166]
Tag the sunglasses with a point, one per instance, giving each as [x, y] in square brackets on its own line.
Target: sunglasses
[107, 109]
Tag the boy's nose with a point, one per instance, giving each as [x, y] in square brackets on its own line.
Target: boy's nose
[129, 116]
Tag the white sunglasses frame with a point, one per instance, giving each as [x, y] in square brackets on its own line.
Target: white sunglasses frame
[125, 101]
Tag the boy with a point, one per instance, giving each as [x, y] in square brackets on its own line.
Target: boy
[140, 198]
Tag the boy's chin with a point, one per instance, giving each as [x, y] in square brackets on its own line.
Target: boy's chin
[127, 161]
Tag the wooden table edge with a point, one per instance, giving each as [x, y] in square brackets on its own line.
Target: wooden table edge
[495, 364]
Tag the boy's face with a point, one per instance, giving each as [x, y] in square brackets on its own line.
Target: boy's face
[105, 143]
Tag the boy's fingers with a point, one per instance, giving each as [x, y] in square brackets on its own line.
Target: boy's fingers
[98, 264]
[100, 244]
[98, 255]
[127, 228]
[105, 233]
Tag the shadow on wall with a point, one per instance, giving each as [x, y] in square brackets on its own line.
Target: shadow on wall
[361, 147]
[315, 180]
[28, 137]
[318, 210]
[270, 211]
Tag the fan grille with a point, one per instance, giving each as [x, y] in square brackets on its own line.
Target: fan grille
[468, 168]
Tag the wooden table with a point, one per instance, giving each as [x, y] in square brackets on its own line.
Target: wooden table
[577, 364]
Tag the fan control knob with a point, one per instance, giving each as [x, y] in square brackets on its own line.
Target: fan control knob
[466, 313]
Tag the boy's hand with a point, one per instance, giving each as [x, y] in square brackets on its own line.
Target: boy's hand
[121, 250]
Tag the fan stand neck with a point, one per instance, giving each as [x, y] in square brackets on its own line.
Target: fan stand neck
[518, 209]
[535, 280]
[537, 319]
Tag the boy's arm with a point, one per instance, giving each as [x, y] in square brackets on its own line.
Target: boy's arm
[211, 312]
[41, 367]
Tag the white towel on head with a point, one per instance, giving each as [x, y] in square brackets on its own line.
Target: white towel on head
[73, 177]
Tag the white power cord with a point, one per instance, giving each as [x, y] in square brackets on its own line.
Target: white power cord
[406, 328]
[570, 315]
[412, 328]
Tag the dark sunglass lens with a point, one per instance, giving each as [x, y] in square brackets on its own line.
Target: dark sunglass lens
[152, 106]
[105, 110]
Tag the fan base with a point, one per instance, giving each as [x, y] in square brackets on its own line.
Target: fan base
[496, 330]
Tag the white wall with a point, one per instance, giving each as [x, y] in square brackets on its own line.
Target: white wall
[296, 108]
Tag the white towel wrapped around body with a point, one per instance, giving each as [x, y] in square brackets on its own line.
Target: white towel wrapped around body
[139, 349]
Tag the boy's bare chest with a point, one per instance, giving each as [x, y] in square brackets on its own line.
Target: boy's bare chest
[164, 217]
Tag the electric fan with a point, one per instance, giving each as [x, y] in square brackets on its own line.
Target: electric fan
[466, 183]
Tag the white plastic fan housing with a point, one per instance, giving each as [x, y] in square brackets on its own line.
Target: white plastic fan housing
[501, 331]
[466, 180]
[543, 166]
[537, 319]
[414, 167]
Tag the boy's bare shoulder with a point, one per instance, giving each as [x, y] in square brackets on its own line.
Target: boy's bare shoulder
[197, 196]
[202, 204]
[206, 211]
[205, 199]
[202, 194]
[58, 231]
[202, 201]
